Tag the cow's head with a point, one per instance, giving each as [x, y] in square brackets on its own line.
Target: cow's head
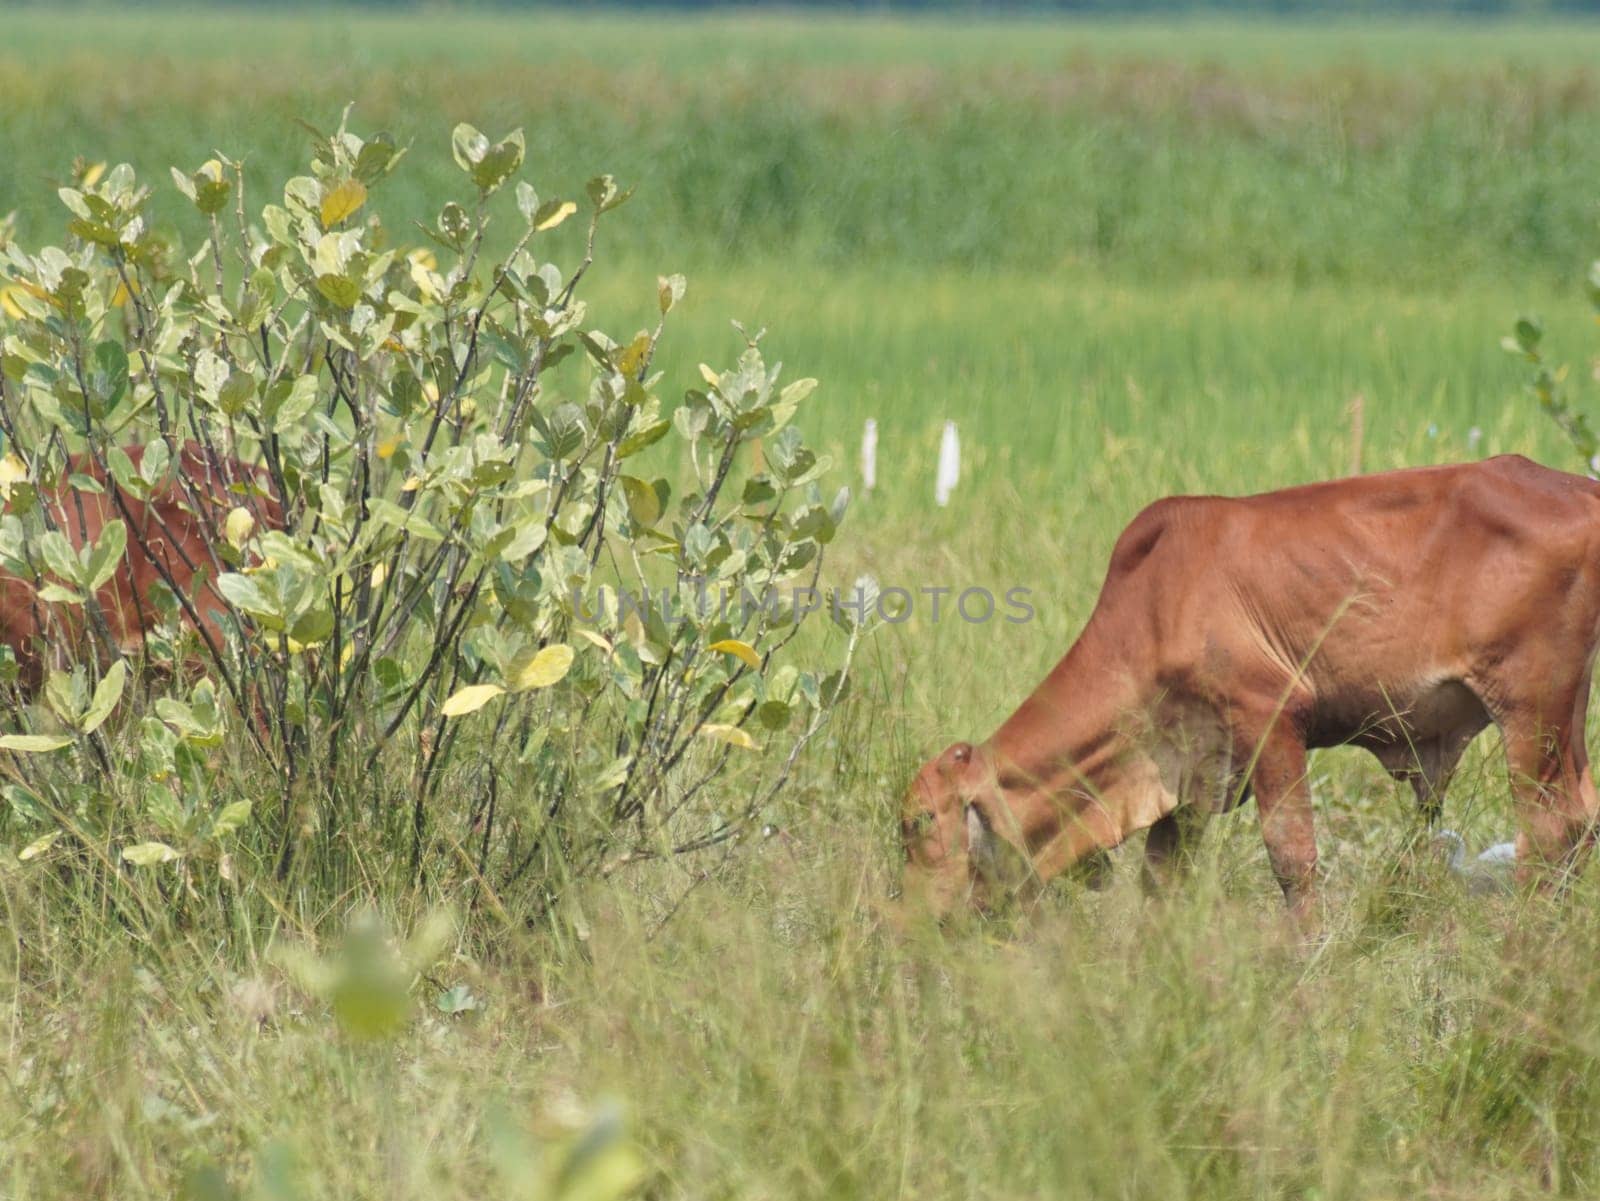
[949, 839]
[953, 823]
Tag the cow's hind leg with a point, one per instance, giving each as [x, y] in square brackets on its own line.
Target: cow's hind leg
[1557, 806]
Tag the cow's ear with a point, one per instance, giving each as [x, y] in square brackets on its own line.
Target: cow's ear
[958, 755]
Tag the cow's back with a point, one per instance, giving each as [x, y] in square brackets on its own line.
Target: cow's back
[1354, 588]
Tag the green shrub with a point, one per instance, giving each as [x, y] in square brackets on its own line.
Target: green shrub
[428, 668]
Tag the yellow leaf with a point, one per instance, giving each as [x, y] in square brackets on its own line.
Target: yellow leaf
[732, 735]
[470, 699]
[424, 257]
[710, 376]
[8, 306]
[380, 573]
[38, 846]
[739, 650]
[12, 472]
[633, 358]
[342, 201]
[238, 527]
[120, 296]
[412, 484]
[566, 209]
[423, 278]
[388, 446]
[591, 636]
[543, 669]
[92, 174]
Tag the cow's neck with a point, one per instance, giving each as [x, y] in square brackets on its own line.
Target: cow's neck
[1069, 763]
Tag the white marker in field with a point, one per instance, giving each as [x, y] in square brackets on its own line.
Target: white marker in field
[1474, 437]
[869, 455]
[949, 473]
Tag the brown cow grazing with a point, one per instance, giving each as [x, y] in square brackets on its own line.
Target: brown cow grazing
[1400, 612]
[168, 541]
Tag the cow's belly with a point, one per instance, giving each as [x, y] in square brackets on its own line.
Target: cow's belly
[1397, 724]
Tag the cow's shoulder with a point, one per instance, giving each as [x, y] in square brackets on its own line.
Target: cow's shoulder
[1160, 527]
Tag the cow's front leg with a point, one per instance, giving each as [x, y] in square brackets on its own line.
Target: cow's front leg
[1169, 848]
[1283, 798]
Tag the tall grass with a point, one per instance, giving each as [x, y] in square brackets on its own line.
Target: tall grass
[1128, 261]
[1160, 168]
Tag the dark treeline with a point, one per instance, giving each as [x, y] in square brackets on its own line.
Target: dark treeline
[1099, 8]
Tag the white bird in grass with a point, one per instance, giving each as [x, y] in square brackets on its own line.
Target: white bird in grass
[949, 472]
[869, 455]
[1489, 871]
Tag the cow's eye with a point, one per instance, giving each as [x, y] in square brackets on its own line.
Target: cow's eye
[918, 824]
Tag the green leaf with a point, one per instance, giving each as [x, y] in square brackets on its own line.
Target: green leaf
[59, 557]
[148, 854]
[298, 400]
[211, 371]
[74, 201]
[55, 594]
[774, 715]
[107, 555]
[212, 189]
[33, 744]
[314, 626]
[468, 145]
[341, 290]
[642, 438]
[230, 819]
[458, 999]
[529, 537]
[643, 504]
[110, 372]
[388, 513]
[563, 431]
[498, 162]
[377, 157]
[527, 200]
[106, 695]
[604, 194]
[244, 594]
[155, 463]
[454, 224]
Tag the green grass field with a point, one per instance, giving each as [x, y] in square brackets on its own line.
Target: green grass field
[1128, 260]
